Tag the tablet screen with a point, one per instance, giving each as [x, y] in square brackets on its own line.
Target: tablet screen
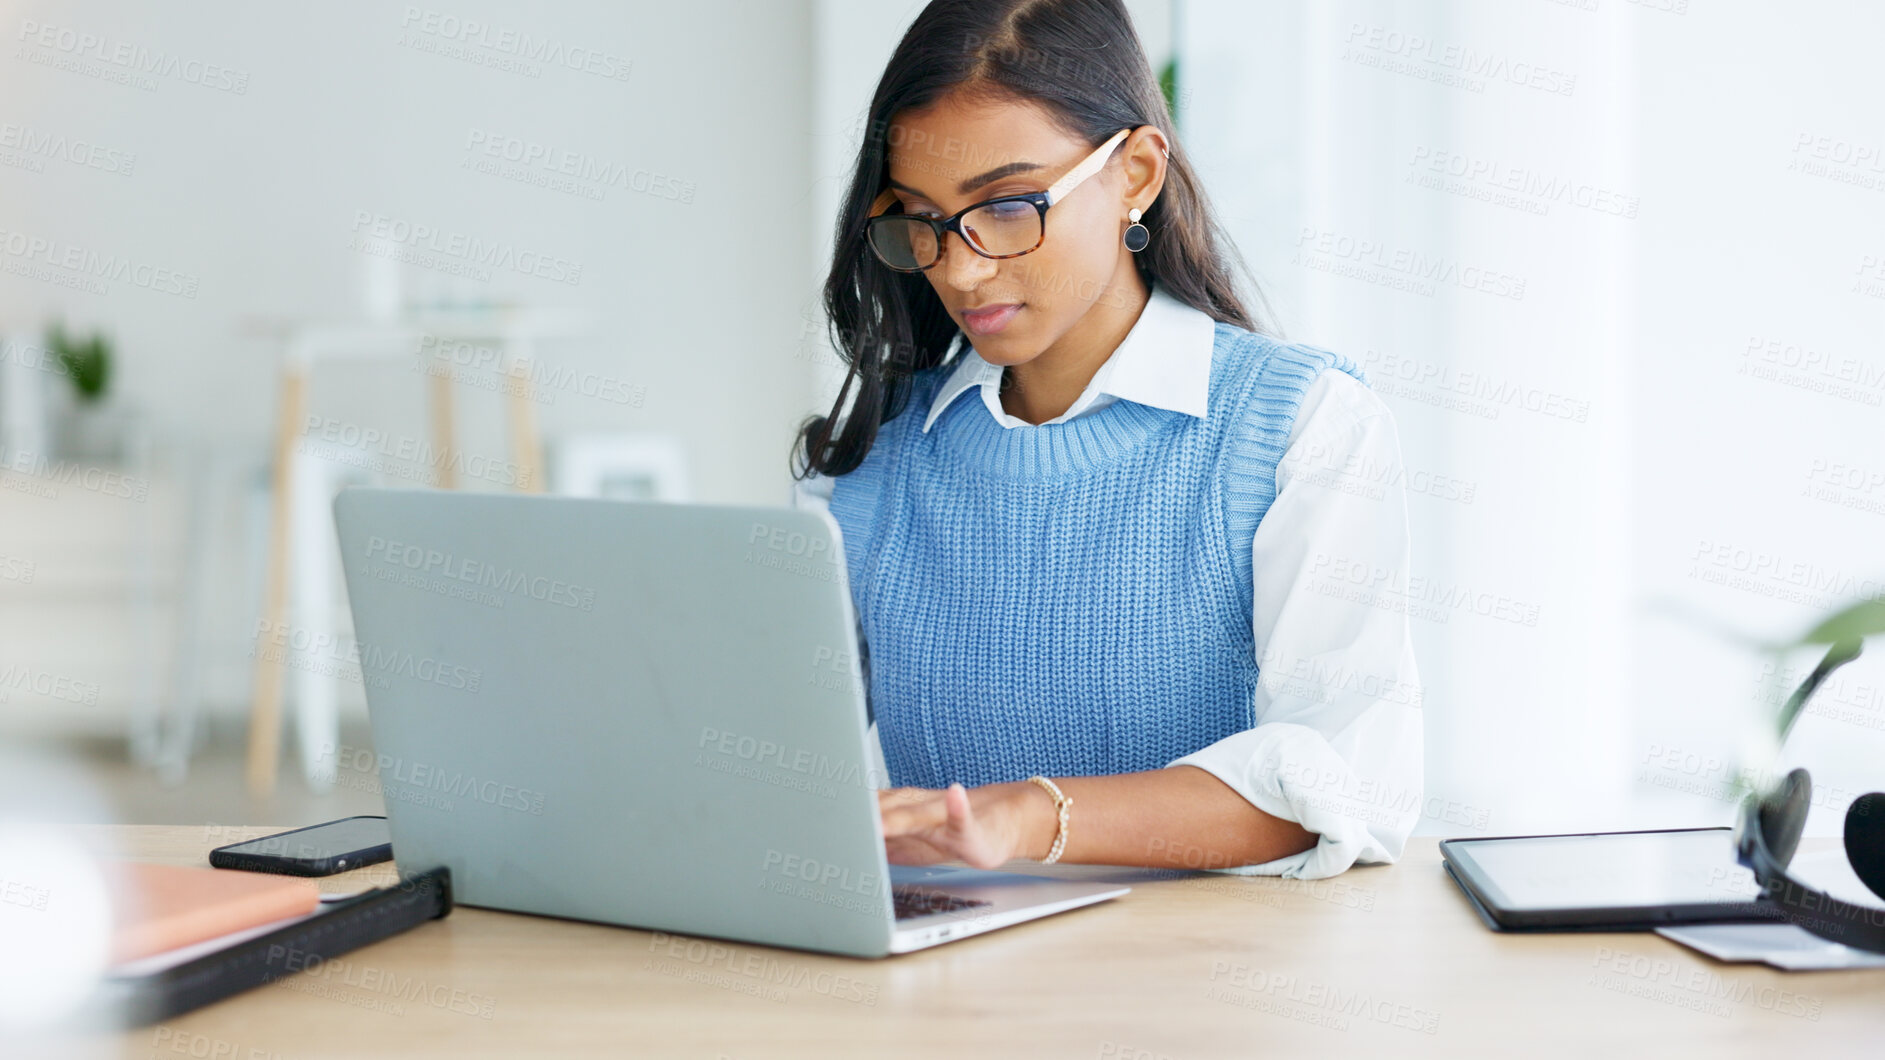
[1625, 870]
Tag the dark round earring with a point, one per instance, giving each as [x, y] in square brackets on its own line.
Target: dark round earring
[1138, 236]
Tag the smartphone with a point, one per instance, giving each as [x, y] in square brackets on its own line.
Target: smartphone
[317, 850]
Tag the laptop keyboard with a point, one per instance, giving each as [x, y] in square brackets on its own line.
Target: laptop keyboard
[912, 902]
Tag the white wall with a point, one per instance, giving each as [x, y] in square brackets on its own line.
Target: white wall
[251, 198]
[350, 107]
[1315, 124]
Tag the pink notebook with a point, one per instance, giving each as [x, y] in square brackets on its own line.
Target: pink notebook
[162, 907]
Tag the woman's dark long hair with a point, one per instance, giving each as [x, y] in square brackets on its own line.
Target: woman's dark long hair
[1082, 61]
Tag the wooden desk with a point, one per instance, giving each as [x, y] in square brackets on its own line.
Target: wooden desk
[1199, 965]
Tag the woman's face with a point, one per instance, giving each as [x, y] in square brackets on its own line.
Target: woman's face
[967, 148]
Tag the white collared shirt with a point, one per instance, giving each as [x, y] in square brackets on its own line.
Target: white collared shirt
[1158, 363]
[1337, 746]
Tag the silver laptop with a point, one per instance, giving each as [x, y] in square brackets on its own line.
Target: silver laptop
[641, 714]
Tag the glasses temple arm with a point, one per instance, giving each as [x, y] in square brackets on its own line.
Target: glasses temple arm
[1088, 166]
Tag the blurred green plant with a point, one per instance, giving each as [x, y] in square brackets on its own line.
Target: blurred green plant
[85, 360]
[1843, 632]
[1168, 84]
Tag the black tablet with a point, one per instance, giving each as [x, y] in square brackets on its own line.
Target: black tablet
[1605, 881]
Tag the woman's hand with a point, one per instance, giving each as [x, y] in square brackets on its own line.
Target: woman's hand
[983, 827]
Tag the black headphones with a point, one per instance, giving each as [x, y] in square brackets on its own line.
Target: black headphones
[1769, 828]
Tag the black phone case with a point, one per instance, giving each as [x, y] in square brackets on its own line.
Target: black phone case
[226, 857]
[342, 928]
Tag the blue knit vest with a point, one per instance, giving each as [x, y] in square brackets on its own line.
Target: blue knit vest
[1070, 599]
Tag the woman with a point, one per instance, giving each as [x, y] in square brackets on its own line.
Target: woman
[1102, 537]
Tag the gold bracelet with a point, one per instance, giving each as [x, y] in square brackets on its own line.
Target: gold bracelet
[1063, 807]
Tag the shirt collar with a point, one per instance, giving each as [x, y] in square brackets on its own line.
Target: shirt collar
[1165, 361]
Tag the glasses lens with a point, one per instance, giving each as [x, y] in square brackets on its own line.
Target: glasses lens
[1003, 228]
[904, 243]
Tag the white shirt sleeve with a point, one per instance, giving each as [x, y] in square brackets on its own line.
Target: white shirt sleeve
[1337, 744]
[813, 492]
